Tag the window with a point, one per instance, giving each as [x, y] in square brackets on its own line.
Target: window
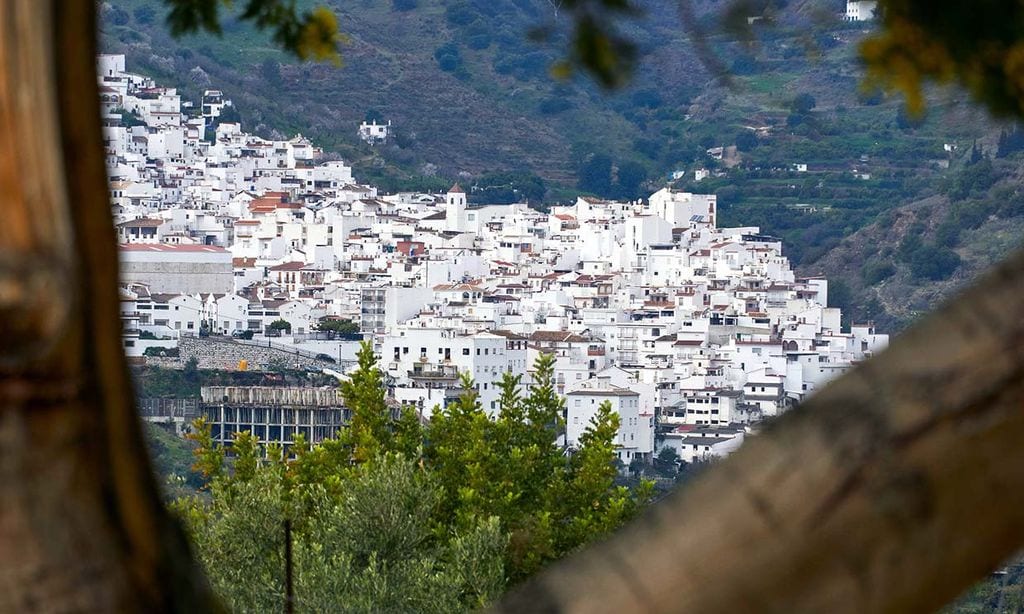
[129, 343]
[465, 351]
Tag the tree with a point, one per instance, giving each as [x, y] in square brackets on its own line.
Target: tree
[367, 544]
[363, 393]
[280, 324]
[595, 175]
[144, 14]
[746, 140]
[490, 501]
[630, 177]
[347, 327]
[803, 104]
[270, 70]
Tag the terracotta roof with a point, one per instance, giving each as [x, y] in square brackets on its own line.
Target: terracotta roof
[289, 266]
[141, 223]
[456, 189]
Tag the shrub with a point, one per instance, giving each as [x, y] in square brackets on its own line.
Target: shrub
[934, 263]
[875, 271]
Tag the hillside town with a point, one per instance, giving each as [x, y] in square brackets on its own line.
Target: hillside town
[695, 333]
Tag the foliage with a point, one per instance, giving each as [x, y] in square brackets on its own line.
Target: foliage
[595, 175]
[312, 35]
[933, 262]
[630, 177]
[367, 547]
[156, 351]
[875, 271]
[172, 460]
[144, 14]
[501, 188]
[347, 327]
[746, 140]
[1010, 142]
[803, 104]
[280, 324]
[163, 382]
[392, 516]
[129, 119]
[364, 396]
[448, 57]
[949, 41]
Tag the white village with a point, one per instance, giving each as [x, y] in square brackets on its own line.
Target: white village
[245, 253]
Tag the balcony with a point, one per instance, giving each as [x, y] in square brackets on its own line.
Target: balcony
[434, 372]
[595, 350]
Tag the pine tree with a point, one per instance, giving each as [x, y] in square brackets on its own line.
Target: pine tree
[364, 396]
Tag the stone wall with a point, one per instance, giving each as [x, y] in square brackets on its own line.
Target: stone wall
[221, 353]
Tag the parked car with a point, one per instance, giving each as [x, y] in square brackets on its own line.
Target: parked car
[325, 358]
[241, 334]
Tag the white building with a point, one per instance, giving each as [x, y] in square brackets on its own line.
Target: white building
[177, 269]
[635, 437]
[373, 132]
[860, 10]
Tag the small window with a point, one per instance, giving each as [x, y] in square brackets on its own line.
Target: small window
[465, 351]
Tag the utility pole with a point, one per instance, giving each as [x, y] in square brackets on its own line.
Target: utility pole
[289, 593]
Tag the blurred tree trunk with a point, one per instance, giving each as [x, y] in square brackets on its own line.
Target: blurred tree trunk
[81, 523]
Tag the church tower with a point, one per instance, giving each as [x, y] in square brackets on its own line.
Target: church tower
[455, 208]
